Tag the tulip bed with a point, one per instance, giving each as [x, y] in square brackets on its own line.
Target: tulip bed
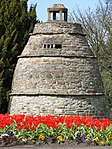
[27, 129]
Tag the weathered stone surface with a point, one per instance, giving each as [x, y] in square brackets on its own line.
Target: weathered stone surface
[59, 105]
[57, 74]
[57, 28]
[72, 45]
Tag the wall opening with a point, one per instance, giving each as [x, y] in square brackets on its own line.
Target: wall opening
[58, 46]
[51, 15]
[63, 16]
[44, 45]
[57, 15]
[48, 46]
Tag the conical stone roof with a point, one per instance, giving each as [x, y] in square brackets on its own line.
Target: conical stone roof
[57, 74]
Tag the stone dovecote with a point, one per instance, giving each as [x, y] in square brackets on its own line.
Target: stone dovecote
[57, 72]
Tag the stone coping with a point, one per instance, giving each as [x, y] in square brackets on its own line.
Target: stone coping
[34, 56]
[85, 94]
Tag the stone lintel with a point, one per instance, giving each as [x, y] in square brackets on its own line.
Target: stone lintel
[57, 9]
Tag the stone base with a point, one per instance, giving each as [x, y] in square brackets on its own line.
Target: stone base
[60, 105]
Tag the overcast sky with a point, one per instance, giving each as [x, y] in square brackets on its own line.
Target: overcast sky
[42, 6]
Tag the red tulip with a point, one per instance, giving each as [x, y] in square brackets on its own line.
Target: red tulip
[20, 127]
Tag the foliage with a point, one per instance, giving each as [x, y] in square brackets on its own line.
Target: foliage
[15, 25]
[49, 129]
[97, 25]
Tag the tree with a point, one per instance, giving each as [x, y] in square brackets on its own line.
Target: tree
[16, 22]
[97, 25]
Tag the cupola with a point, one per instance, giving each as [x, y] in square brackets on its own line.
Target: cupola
[58, 13]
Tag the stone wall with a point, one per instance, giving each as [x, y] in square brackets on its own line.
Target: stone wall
[57, 75]
[57, 28]
[60, 105]
[72, 45]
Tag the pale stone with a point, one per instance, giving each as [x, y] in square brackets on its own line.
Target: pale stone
[60, 80]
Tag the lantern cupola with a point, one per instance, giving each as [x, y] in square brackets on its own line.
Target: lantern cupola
[57, 13]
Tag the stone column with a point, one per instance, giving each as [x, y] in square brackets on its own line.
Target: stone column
[49, 16]
[60, 15]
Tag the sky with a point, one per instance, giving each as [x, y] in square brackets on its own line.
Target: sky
[42, 6]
